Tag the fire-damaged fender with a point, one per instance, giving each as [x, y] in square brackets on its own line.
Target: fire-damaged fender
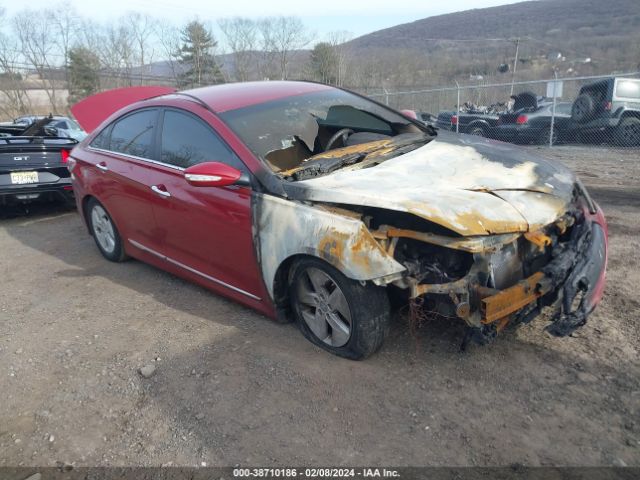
[285, 228]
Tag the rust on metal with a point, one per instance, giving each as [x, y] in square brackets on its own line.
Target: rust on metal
[539, 239]
[468, 244]
[512, 299]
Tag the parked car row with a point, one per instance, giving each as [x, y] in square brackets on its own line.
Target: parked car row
[606, 110]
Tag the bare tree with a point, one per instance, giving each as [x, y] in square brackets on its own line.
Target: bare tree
[289, 35]
[338, 41]
[65, 21]
[241, 37]
[13, 95]
[37, 43]
[267, 62]
[141, 28]
[168, 37]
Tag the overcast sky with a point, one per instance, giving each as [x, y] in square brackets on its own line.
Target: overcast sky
[321, 16]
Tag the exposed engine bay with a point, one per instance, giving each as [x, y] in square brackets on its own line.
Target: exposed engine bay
[491, 284]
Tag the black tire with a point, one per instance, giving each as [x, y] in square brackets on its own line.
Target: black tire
[477, 131]
[583, 108]
[368, 307]
[543, 137]
[116, 254]
[627, 133]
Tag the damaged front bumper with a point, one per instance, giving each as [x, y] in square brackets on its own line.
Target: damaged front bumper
[571, 281]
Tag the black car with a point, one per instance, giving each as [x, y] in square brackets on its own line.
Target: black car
[610, 106]
[471, 119]
[530, 122]
[35, 168]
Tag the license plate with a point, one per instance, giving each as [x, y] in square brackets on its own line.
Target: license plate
[20, 178]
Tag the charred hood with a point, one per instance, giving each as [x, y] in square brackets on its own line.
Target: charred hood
[467, 184]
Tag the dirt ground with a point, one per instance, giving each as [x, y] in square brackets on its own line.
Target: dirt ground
[231, 387]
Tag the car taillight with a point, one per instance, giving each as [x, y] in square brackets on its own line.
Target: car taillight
[522, 119]
[607, 105]
[64, 154]
[454, 120]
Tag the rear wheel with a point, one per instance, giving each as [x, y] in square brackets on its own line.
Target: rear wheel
[104, 232]
[336, 313]
[583, 108]
[627, 133]
[478, 131]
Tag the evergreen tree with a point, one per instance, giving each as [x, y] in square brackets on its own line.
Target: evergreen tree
[197, 56]
[83, 74]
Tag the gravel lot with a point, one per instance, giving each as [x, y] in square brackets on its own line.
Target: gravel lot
[231, 387]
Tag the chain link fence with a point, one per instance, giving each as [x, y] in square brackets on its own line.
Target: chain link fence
[581, 110]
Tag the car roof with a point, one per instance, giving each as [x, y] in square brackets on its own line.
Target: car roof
[231, 96]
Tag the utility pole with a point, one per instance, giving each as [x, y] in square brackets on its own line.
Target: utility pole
[515, 65]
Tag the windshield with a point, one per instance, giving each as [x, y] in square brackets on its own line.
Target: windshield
[288, 131]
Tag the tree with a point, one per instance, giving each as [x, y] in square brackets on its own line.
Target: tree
[289, 35]
[240, 35]
[37, 44]
[142, 28]
[13, 95]
[65, 20]
[169, 42]
[197, 55]
[83, 74]
[323, 63]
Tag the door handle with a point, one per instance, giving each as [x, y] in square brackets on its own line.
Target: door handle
[102, 166]
[160, 191]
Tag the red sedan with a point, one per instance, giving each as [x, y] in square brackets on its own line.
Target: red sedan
[309, 203]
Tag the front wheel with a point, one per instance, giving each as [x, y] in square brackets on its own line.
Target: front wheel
[627, 133]
[336, 313]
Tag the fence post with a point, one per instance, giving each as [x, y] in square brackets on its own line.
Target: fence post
[553, 108]
[458, 109]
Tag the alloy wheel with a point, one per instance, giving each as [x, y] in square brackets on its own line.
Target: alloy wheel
[324, 307]
[103, 229]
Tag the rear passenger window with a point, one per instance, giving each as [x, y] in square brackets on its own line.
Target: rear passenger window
[187, 141]
[102, 140]
[133, 135]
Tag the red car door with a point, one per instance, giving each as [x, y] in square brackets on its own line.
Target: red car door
[121, 176]
[205, 230]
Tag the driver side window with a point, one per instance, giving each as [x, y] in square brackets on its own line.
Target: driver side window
[187, 141]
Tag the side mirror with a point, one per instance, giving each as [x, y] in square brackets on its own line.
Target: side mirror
[214, 174]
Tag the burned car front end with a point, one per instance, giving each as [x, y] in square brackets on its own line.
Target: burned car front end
[495, 281]
[485, 232]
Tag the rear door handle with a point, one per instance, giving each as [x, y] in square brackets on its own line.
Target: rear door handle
[102, 166]
[160, 190]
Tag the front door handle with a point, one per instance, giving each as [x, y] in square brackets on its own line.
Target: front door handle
[160, 190]
[102, 166]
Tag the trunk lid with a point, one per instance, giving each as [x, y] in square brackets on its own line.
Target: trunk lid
[20, 153]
